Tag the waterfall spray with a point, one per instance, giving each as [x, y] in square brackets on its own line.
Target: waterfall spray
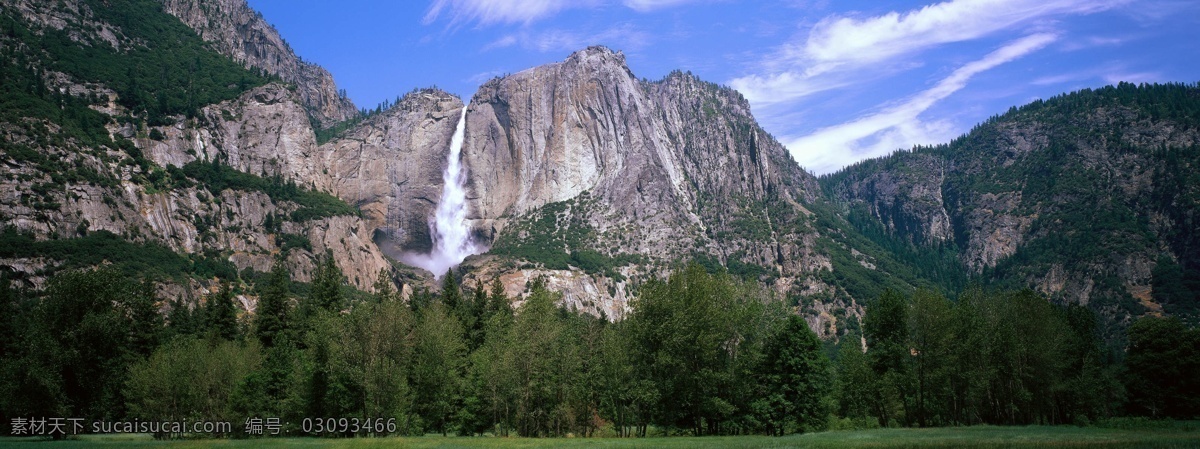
[451, 234]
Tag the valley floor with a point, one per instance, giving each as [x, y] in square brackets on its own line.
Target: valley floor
[1185, 436]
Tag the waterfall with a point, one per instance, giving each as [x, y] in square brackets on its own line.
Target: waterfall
[451, 234]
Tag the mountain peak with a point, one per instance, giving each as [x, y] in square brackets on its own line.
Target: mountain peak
[598, 59]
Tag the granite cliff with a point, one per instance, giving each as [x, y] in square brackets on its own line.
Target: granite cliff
[241, 33]
[583, 173]
[1088, 198]
[577, 171]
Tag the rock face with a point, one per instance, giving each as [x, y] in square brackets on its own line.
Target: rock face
[391, 165]
[666, 171]
[64, 188]
[240, 32]
[907, 202]
[583, 174]
[263, 132]
[550, 133]
[1080, 197]
[658, 170]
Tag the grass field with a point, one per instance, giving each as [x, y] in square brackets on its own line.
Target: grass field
[962, 437]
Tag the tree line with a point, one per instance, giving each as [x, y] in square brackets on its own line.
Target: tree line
[701, 353]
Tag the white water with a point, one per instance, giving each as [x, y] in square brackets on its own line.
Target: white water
[451, 234]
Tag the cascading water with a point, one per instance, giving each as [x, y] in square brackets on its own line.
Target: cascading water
[451, 234]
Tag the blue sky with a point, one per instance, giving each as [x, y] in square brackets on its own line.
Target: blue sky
[836, 82]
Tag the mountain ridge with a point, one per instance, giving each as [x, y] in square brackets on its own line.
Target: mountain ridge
[582, 174]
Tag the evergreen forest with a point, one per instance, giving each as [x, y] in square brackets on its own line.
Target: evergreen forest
[702, 353]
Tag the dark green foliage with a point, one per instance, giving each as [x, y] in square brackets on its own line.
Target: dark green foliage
[216, 177]
[96, 248]
[938, 264]
[795, 379]
[698, 339]
[701, 353]
[183, 320]
[1080, 168]
[557, 236]
[211, 264]
[220, 315]
[439, 358]
[187, 378]
[272, 312]
[999, 358]
[169, 70]
[288, 242]
[146, 324]
[326, 285]
[855, 390]
[337, 129]
[452, 296]
[1163, 359]
[25, 95]
[73, 348]
[849, 271]
[885, 327]
[132, 259]
[1177, 291]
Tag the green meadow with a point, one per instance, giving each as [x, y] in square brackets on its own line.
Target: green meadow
[1180, 436]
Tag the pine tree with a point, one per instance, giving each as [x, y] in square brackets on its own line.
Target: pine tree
[451, 293]
[439, 356]
[886, 329]
[497, 302]
[326, 286]
[147, 325]
[220, 317]
[271, 320]
[385, 291]
[181, 320]
[795, 377]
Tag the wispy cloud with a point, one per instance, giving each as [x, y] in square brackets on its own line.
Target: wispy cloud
[651, 5]
[841, 40]
[625, 36]
[504, 41]
[838, 49]
[488, 12]
[498, 11]
[1133, 77]
[1094, 41]
[900, 126]
[480, 77]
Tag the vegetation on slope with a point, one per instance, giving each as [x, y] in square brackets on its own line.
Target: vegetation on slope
[1096, 172]
[216, 177]
[700, 354]
[162, 67]
[558, 236]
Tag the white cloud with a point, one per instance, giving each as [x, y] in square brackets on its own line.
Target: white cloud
[488, 12]
[624, 36]
[1133, 77]
[841, 40]
[900, 126]
[839, 50]
[505, 41]
[480, 77]
[651, 5]
[498, 11]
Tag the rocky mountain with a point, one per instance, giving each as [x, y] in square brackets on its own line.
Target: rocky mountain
[581, 168]
[577, 172]
[1089, 198]
[239, 32]
[95, 157]
[391, 164]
